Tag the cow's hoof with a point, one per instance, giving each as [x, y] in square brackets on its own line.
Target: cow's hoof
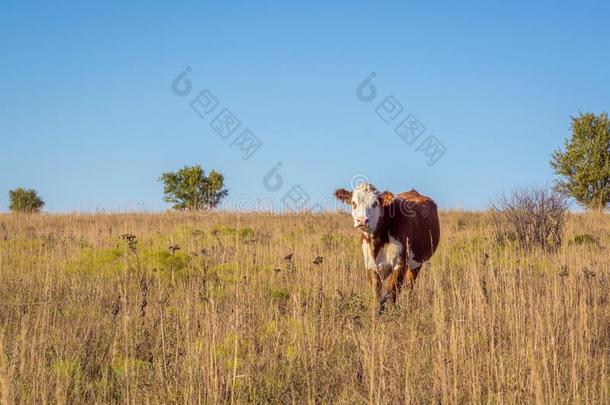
[382, 301]
[384, 298]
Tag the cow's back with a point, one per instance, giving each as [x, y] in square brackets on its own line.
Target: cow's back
[416, 221]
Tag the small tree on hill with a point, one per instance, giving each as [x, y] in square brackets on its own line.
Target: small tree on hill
[190, 189]
[584, 166]
[25, 200]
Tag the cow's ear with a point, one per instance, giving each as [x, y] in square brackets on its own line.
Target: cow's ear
[343, 195]
[386, 198]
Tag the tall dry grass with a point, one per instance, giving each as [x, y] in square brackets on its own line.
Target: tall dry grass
[87, 316]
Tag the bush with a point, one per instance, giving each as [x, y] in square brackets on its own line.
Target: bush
[22, 200]
[531, 217]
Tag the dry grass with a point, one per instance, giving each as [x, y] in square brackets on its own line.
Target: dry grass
[84, 317]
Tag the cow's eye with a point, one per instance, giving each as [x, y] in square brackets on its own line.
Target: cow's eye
[375, 203]
[353, 205]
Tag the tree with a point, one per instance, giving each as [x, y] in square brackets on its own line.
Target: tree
[25, 200]
[190, 189]
[584, 166]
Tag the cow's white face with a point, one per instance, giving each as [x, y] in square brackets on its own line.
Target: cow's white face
[366, 209]
[367, 205]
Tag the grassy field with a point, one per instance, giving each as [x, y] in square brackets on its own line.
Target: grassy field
[203, 308]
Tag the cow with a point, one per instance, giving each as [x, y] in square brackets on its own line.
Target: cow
[399, 233]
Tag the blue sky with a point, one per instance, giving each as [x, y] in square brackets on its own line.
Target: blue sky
[88, 117]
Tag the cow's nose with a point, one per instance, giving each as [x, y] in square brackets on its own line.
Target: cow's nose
[363, 220]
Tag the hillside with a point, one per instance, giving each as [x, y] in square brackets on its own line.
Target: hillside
[206, 308]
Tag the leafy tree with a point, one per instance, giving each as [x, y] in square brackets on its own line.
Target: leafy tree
[190, 189]
[584, 166]
[25, 200]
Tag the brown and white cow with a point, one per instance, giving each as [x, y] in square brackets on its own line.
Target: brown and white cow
[399, 233]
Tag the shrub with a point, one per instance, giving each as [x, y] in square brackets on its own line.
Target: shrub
[25, 200]
[531, 217]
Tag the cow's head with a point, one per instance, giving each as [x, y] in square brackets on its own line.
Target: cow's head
[367, 205]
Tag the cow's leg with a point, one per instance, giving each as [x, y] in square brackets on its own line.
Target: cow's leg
[393, 284]
[375, 283]
[371, 271]
[396, 282]
[412, 276]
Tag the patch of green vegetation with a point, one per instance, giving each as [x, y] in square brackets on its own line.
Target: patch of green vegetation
[198, 233]
[464, 247]
[246, 233]
[226, 232]
[164, 260]
[67, 369]
[293, 325]
[291, 237]
[584, 239]
[22, 244]
[270, 328]
[21, 252]
[291, 352]
[98, 261]
[278, 293]
[122, 365]
[224, 272]
[232, 351]
[217, 293]
[283, 331]
[150, 255]
[283, 326]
